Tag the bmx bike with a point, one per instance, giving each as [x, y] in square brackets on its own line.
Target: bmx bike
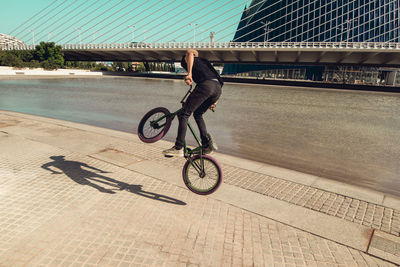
[201, 173]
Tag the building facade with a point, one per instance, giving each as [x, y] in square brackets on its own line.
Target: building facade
[320, 21]
[317, 21]
[7, 41]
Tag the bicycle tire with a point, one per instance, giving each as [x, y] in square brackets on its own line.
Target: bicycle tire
[149, 134]
[202, 185]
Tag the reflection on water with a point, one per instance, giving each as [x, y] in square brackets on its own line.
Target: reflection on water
[343, 135]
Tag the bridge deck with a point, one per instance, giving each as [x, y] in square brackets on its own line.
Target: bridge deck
[321, 53]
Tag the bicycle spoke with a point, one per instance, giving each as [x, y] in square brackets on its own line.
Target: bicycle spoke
[148, 130]
[197, 167]
[199, 182]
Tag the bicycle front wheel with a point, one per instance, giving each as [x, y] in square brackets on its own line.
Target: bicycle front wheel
[202, 174]
[154, 125]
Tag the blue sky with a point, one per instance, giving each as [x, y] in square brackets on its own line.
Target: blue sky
[110, 21]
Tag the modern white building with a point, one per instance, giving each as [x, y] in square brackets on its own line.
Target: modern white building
[7, 41]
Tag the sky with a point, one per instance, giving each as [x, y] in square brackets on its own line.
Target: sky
[111, 21]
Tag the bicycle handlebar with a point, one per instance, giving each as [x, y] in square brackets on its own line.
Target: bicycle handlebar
[188, 93]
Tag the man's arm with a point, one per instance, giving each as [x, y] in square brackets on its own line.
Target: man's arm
[47, 167]
[189, 58]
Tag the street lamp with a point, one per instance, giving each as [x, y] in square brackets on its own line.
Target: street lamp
[133, 31]
[212, 37]
[348, 22]
[341, 28]
[194, 25]
[266, 30]
[33, 37]
[79, 34]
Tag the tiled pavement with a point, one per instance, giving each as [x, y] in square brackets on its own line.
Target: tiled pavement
[72, 195]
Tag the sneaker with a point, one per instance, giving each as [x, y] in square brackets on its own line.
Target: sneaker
[211, 146]
[173, 152]
[207, 149]
[212, 143]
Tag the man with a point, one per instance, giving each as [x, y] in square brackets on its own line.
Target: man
[204, 96]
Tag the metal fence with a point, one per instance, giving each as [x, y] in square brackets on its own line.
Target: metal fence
[223, 45]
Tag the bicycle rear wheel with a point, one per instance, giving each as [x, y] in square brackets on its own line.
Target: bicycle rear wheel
[202, 174]
[154, 125]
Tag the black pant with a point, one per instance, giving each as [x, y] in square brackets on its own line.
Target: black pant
[199, 101]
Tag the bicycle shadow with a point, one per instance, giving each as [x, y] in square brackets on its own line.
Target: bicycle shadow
[74, 170]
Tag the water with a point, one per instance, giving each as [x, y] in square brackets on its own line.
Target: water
[343, 135]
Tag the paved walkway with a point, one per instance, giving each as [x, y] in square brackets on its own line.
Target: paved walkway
[77, 195]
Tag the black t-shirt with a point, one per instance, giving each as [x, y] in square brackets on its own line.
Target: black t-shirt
[202, 70]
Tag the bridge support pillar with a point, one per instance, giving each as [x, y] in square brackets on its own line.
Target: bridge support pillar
[391, 78]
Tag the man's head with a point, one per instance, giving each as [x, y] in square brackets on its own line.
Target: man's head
[58, 158]
[194, 52]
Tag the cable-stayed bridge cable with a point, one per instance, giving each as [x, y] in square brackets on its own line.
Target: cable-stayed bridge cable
[60, 19]
[128, 18]
[191, 14]
[194, 20]
[109, 24]
[98, 16]
[37, 14]
[30, 26]
[79, 20]
[142, 19]
[155, 19]
[215, 9]
[105, 18]
[163, 29]
[169, 20]
[221, 15]
[54, 16]
[233, 17]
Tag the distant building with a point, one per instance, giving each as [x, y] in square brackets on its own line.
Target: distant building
[320, 21]
[7, 41]
[315, 21]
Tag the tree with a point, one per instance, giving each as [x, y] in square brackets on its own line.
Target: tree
[11, 59]
[50, 55]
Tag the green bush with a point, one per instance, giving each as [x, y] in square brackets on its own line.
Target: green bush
[12, 60]
[47, 55]
[33, 64]
[49, 65]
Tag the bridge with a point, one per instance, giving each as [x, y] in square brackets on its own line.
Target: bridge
[224, 31]
[310, 53]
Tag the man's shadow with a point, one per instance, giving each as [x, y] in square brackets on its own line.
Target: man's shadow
[74, 170]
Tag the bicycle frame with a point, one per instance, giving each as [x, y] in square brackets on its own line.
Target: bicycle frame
[201, 173]
[187, 152]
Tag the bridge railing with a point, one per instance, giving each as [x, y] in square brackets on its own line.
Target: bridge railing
[219, 45]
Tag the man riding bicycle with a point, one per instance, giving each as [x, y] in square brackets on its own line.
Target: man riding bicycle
[204, 96]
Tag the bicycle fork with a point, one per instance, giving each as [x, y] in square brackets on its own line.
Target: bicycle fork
[198, 166]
